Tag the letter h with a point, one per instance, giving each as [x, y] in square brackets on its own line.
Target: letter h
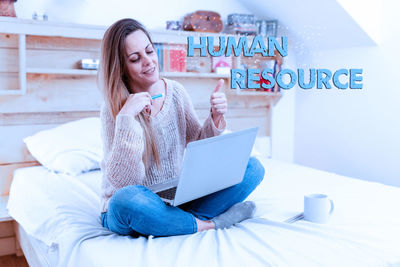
[202, 46]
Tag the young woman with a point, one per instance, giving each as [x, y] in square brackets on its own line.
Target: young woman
[144, 140]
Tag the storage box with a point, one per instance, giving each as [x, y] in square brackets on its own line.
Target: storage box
[89, 64]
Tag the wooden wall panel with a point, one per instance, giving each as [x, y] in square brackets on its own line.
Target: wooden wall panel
[55, 93]
[6, 174]
[45, 52]
[33, 118]
[60, 59]
[14, 136]
[8, 81]
[45, 42]
[61, 43]
[8, 40]
[15, 127]
[9, 60]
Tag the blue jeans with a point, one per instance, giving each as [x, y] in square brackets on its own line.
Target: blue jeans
[135, 210]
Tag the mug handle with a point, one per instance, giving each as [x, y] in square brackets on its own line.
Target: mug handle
[332, 207]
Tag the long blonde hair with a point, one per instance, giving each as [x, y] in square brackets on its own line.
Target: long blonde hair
[114, 79]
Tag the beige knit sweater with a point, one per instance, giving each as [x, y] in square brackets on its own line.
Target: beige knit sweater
[123, 142]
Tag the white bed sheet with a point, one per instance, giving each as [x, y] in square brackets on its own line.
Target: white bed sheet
[63, 211]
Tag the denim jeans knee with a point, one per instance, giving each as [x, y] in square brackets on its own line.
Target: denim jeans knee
[255, 172]
[135, 210]
[127, 199]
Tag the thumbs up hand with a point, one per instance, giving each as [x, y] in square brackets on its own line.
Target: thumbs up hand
[219, 105]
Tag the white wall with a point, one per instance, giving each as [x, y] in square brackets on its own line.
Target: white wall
[355, 132]
[283, 118]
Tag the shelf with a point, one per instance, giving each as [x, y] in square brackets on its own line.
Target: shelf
[25, 27]
[163, 74]
[180, 37]
[271, 97]
[11, 92]
[194, 75]
[256, 93]
[94, 72]
[61, 71]
[50, 28]
[72, 30]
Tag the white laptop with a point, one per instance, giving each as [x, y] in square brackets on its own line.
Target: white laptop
[209, 165]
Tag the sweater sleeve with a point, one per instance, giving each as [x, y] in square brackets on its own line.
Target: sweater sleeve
[194, 130]
[123, 145]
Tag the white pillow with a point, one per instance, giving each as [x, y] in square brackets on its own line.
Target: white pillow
[261, 146]
[71, 148]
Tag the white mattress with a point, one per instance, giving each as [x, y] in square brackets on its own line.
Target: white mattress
[63, 211]
[36, 252]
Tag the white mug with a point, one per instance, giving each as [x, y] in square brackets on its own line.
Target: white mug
[317, 208]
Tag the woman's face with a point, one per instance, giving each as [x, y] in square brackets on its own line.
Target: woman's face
[141, 61]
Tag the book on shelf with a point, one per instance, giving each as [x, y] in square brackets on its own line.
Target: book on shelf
[171, 57]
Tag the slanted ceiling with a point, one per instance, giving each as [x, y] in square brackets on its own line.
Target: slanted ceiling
[318, 24]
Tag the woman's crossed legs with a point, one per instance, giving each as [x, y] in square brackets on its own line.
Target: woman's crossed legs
[135, 210]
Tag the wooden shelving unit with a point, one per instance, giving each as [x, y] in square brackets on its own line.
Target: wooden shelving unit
[194, 75]
[27, 30]
[94, 72]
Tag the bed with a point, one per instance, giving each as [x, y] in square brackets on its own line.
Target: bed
[57, 214]
[58, 225]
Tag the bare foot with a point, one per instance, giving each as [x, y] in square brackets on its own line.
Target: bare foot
[204, 225]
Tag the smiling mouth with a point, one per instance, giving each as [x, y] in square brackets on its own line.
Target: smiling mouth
[150, 71]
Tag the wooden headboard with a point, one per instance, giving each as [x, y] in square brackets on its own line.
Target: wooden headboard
[41, 86]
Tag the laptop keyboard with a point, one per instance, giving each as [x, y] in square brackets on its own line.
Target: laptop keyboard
[168, 193]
